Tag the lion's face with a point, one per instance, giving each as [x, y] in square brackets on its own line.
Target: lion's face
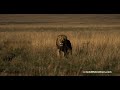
[61, 39]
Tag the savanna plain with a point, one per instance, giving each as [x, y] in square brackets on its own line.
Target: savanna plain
[29, 48]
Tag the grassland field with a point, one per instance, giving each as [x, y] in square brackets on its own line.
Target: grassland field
[30, 50]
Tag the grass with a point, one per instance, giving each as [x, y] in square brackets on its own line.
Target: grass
[33, 53]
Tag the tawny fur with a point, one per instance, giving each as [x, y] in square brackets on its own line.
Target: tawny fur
[64, 47]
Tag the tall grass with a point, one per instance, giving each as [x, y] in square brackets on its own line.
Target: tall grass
[34, 53]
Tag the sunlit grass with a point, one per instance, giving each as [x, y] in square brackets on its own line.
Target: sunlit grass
[33, 53]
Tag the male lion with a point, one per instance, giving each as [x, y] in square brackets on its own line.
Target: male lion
[64, 47]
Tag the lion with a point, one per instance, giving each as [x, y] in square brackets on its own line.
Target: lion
[64, 47]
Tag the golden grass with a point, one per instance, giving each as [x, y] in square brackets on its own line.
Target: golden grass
[34, 53]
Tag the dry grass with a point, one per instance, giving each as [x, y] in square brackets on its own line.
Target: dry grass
[33, 53]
